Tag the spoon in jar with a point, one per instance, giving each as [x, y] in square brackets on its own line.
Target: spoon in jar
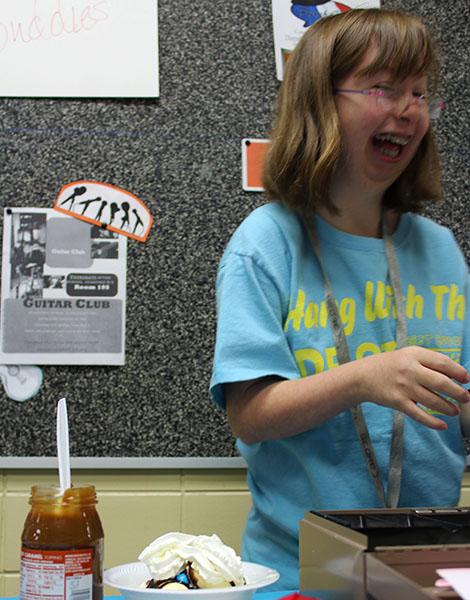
[63, 454]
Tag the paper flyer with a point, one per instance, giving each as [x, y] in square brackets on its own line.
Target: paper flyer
[458, 580]
[63, 291]
[253, 155]
[291, 18]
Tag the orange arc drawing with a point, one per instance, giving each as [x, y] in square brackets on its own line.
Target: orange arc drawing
[123, 201]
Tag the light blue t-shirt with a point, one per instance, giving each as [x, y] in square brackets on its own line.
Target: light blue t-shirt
[272, 320]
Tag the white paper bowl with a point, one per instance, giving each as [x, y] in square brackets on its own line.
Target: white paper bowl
[129, 578]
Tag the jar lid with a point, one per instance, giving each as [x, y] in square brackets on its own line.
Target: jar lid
[52, 494]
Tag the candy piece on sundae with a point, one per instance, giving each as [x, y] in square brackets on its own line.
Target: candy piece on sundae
[184, 578]
[192, 561]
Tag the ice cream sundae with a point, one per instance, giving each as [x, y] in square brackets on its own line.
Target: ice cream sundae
[179, 561]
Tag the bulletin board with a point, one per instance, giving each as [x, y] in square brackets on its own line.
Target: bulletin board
[180, 154]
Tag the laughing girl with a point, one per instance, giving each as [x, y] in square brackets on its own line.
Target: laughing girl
[342, 349]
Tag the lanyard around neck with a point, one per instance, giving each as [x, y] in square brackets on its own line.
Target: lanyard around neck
[389, 500]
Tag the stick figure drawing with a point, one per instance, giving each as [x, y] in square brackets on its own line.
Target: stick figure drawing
[106, 206]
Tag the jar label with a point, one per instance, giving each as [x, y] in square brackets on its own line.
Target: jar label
[56, 574]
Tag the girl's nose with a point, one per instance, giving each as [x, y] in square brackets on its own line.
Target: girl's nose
[406, 106]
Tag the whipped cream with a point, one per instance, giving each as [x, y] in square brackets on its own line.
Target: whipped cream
[213, 564]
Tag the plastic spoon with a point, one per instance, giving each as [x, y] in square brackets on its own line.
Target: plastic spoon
[63, 454]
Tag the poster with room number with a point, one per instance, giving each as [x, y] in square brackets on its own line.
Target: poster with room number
[63, 291]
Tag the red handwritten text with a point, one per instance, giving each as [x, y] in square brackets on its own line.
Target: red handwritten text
[56, 22]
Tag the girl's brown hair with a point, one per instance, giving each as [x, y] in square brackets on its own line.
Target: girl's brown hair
[306, 141]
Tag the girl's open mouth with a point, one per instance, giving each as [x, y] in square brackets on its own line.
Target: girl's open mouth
[390, 145]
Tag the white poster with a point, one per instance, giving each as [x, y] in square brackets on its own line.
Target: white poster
[79, 48]
[291, 18]
[63, 291]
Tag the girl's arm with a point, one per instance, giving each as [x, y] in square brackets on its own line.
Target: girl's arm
[271, 408]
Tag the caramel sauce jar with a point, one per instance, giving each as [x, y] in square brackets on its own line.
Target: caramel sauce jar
[62, 545]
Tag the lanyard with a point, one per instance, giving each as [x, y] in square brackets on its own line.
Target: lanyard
[389, 500]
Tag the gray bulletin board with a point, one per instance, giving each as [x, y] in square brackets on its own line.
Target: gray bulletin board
[181, 155]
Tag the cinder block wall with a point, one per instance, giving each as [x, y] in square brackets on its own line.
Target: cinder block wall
[135, 507]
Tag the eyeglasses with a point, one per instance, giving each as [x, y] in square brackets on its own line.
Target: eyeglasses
[390, 99]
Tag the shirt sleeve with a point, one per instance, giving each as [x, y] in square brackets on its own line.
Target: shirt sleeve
[250, 343]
